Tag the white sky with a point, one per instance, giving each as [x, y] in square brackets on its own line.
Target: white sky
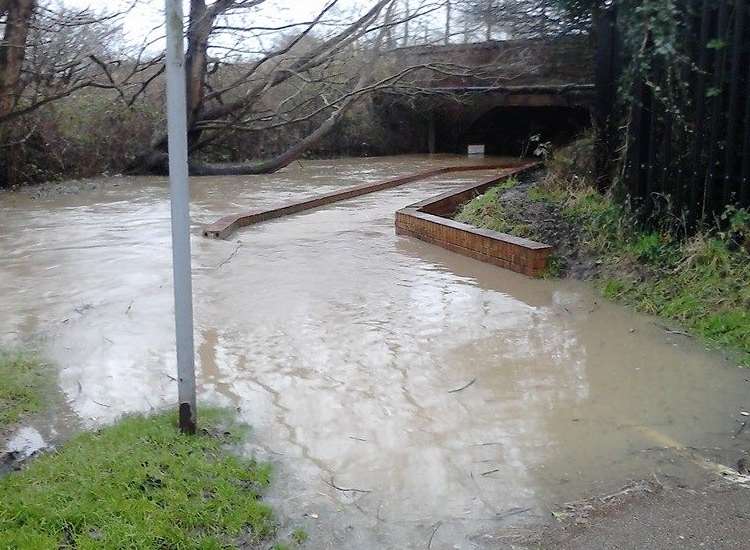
[150, 13]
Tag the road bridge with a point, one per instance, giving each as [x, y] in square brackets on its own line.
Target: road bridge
[496, 93]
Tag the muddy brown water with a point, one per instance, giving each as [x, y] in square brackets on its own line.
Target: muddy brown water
[340, 343]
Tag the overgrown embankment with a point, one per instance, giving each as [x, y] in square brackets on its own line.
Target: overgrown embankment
[701, 281]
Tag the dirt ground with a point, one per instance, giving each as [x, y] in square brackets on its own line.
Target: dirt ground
[716, 517]
[551, 227]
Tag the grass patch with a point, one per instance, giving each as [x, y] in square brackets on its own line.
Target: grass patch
[542, 194]
[554, 268]
[487, 211]
[702, 282]
[299, 536]
[138, 484]
[22, 386]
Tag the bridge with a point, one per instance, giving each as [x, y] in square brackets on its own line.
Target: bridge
[496, 93]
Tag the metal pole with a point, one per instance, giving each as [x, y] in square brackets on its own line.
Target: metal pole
[180, 199]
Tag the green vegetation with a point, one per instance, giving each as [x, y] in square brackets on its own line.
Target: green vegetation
[487, 211]
[138, 484]
[702, 282]
[540, 194]
[22, 386]
[299, 536]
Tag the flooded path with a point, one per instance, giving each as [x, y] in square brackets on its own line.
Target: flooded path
[341, 344]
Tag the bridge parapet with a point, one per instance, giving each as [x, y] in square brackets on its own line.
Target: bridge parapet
[541, 65]
[494, 93]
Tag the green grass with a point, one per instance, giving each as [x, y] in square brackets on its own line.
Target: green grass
[487, 211]
[702, 282]
[22, 386]
[554, 268]
[299, 536]
[138, 484]
[541, 194]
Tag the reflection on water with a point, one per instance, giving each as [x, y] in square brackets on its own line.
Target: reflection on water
[341, 342]
[25, 442]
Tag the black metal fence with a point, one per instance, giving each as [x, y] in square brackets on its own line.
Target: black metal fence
[674, 129]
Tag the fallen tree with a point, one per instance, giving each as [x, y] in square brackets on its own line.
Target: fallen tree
[314, 75]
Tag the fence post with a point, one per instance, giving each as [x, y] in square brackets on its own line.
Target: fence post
[605, 111]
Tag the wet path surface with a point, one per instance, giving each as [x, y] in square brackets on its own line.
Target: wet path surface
[341, 342]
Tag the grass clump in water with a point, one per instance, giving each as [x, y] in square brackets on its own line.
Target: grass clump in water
[138, 484]
[22, 386]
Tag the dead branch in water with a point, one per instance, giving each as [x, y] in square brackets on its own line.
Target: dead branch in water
[740, 429]
[512, 512]
[332, 484]
[463, 387]
[231, 256]
[672, 331]
[432, 536]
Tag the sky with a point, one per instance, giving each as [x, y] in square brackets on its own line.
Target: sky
[148, 14]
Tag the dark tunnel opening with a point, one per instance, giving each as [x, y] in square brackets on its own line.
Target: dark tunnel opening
[506, 130]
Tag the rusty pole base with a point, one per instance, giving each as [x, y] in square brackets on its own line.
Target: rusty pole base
[187, 421]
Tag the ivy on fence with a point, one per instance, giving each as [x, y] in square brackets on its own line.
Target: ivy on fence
[675, 131]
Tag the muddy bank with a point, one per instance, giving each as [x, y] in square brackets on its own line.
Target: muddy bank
[526, 213]
[661, 516]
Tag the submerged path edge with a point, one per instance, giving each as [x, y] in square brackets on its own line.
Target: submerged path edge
[225, 226]
[429, 220]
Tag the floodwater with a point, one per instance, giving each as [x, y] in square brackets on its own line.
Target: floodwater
[341, 343]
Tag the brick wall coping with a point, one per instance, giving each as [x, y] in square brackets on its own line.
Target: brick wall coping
[225, 226]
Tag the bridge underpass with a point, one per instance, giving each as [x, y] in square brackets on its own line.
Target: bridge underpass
[503, 93]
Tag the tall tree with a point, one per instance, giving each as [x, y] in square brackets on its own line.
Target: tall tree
[317, 73]
[47, 53]
[18, 15]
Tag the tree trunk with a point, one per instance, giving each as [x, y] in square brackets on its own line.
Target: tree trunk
[13, 50]
[447, 22]
[18, 15]
[200, 108]
[278, 162]
[293, 153]
[196, 57]
[406, 23]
